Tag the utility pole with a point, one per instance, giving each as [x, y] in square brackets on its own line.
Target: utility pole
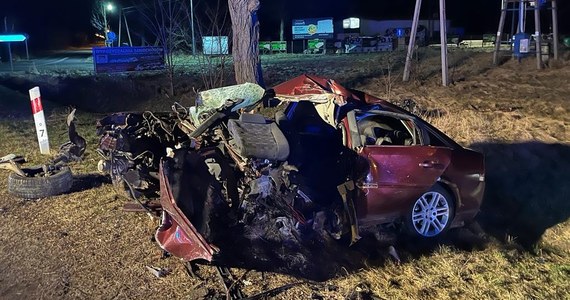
[105, 23]
[124, 12]
[281, 29]
[537, 34]
[27, 51]
[192, 26]
[128, 31]
[504, 5]
[412, 42]
[443, 38]
[519, 12]
[9, 46]
[120, 23]
[555, 28]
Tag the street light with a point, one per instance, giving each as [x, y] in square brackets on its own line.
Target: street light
[105, 8]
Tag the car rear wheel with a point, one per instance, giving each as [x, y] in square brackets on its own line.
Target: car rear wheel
[431, 213]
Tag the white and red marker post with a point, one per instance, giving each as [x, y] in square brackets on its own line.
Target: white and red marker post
[39, 119]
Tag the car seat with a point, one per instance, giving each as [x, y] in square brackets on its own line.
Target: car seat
[253, 137]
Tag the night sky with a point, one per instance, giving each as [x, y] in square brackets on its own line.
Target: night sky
[66, 22]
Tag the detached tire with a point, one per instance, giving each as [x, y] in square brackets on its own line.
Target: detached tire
[40, 187]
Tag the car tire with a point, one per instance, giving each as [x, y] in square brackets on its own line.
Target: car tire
[40, 187]
[431, 214]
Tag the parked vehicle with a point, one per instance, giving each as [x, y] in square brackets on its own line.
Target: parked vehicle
[333, 163]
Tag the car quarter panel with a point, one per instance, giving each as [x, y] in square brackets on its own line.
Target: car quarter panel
[465, 177]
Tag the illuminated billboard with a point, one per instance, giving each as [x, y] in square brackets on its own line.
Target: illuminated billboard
[316, 28]
[215, 45]
[351, 23]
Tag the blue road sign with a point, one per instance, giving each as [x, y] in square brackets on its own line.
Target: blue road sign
[6, 38]
[400, 32]
[111, 36]
[127, 59]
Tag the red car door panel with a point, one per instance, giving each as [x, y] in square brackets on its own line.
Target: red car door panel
[398, 176]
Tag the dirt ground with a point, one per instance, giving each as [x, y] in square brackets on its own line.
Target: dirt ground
[82, 245]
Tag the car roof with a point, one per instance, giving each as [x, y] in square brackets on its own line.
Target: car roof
[328, 92]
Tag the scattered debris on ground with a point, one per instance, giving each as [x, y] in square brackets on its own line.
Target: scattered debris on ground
[50, 179]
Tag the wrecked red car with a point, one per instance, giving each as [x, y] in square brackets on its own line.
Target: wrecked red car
[331, 164]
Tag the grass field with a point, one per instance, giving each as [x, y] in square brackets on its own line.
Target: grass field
[81, 244]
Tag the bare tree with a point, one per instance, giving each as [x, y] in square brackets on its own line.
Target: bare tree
[390, 73]
[214, 21]
[97, 19]
[245, 41]
[168, 22]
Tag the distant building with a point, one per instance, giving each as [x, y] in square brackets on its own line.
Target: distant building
[392, 28]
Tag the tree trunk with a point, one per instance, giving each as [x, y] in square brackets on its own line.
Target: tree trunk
[245, 49]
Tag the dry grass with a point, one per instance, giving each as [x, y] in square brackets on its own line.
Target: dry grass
[81, 245]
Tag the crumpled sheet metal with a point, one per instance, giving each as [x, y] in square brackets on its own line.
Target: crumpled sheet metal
[176, 234]
[209, 100]
[261, 186]
[314, 89]
[326, 94]
[73, 149]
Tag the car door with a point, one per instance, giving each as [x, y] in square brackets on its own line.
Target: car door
[398, 173]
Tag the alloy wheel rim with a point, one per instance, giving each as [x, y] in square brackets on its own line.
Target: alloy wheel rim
[430, 214]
